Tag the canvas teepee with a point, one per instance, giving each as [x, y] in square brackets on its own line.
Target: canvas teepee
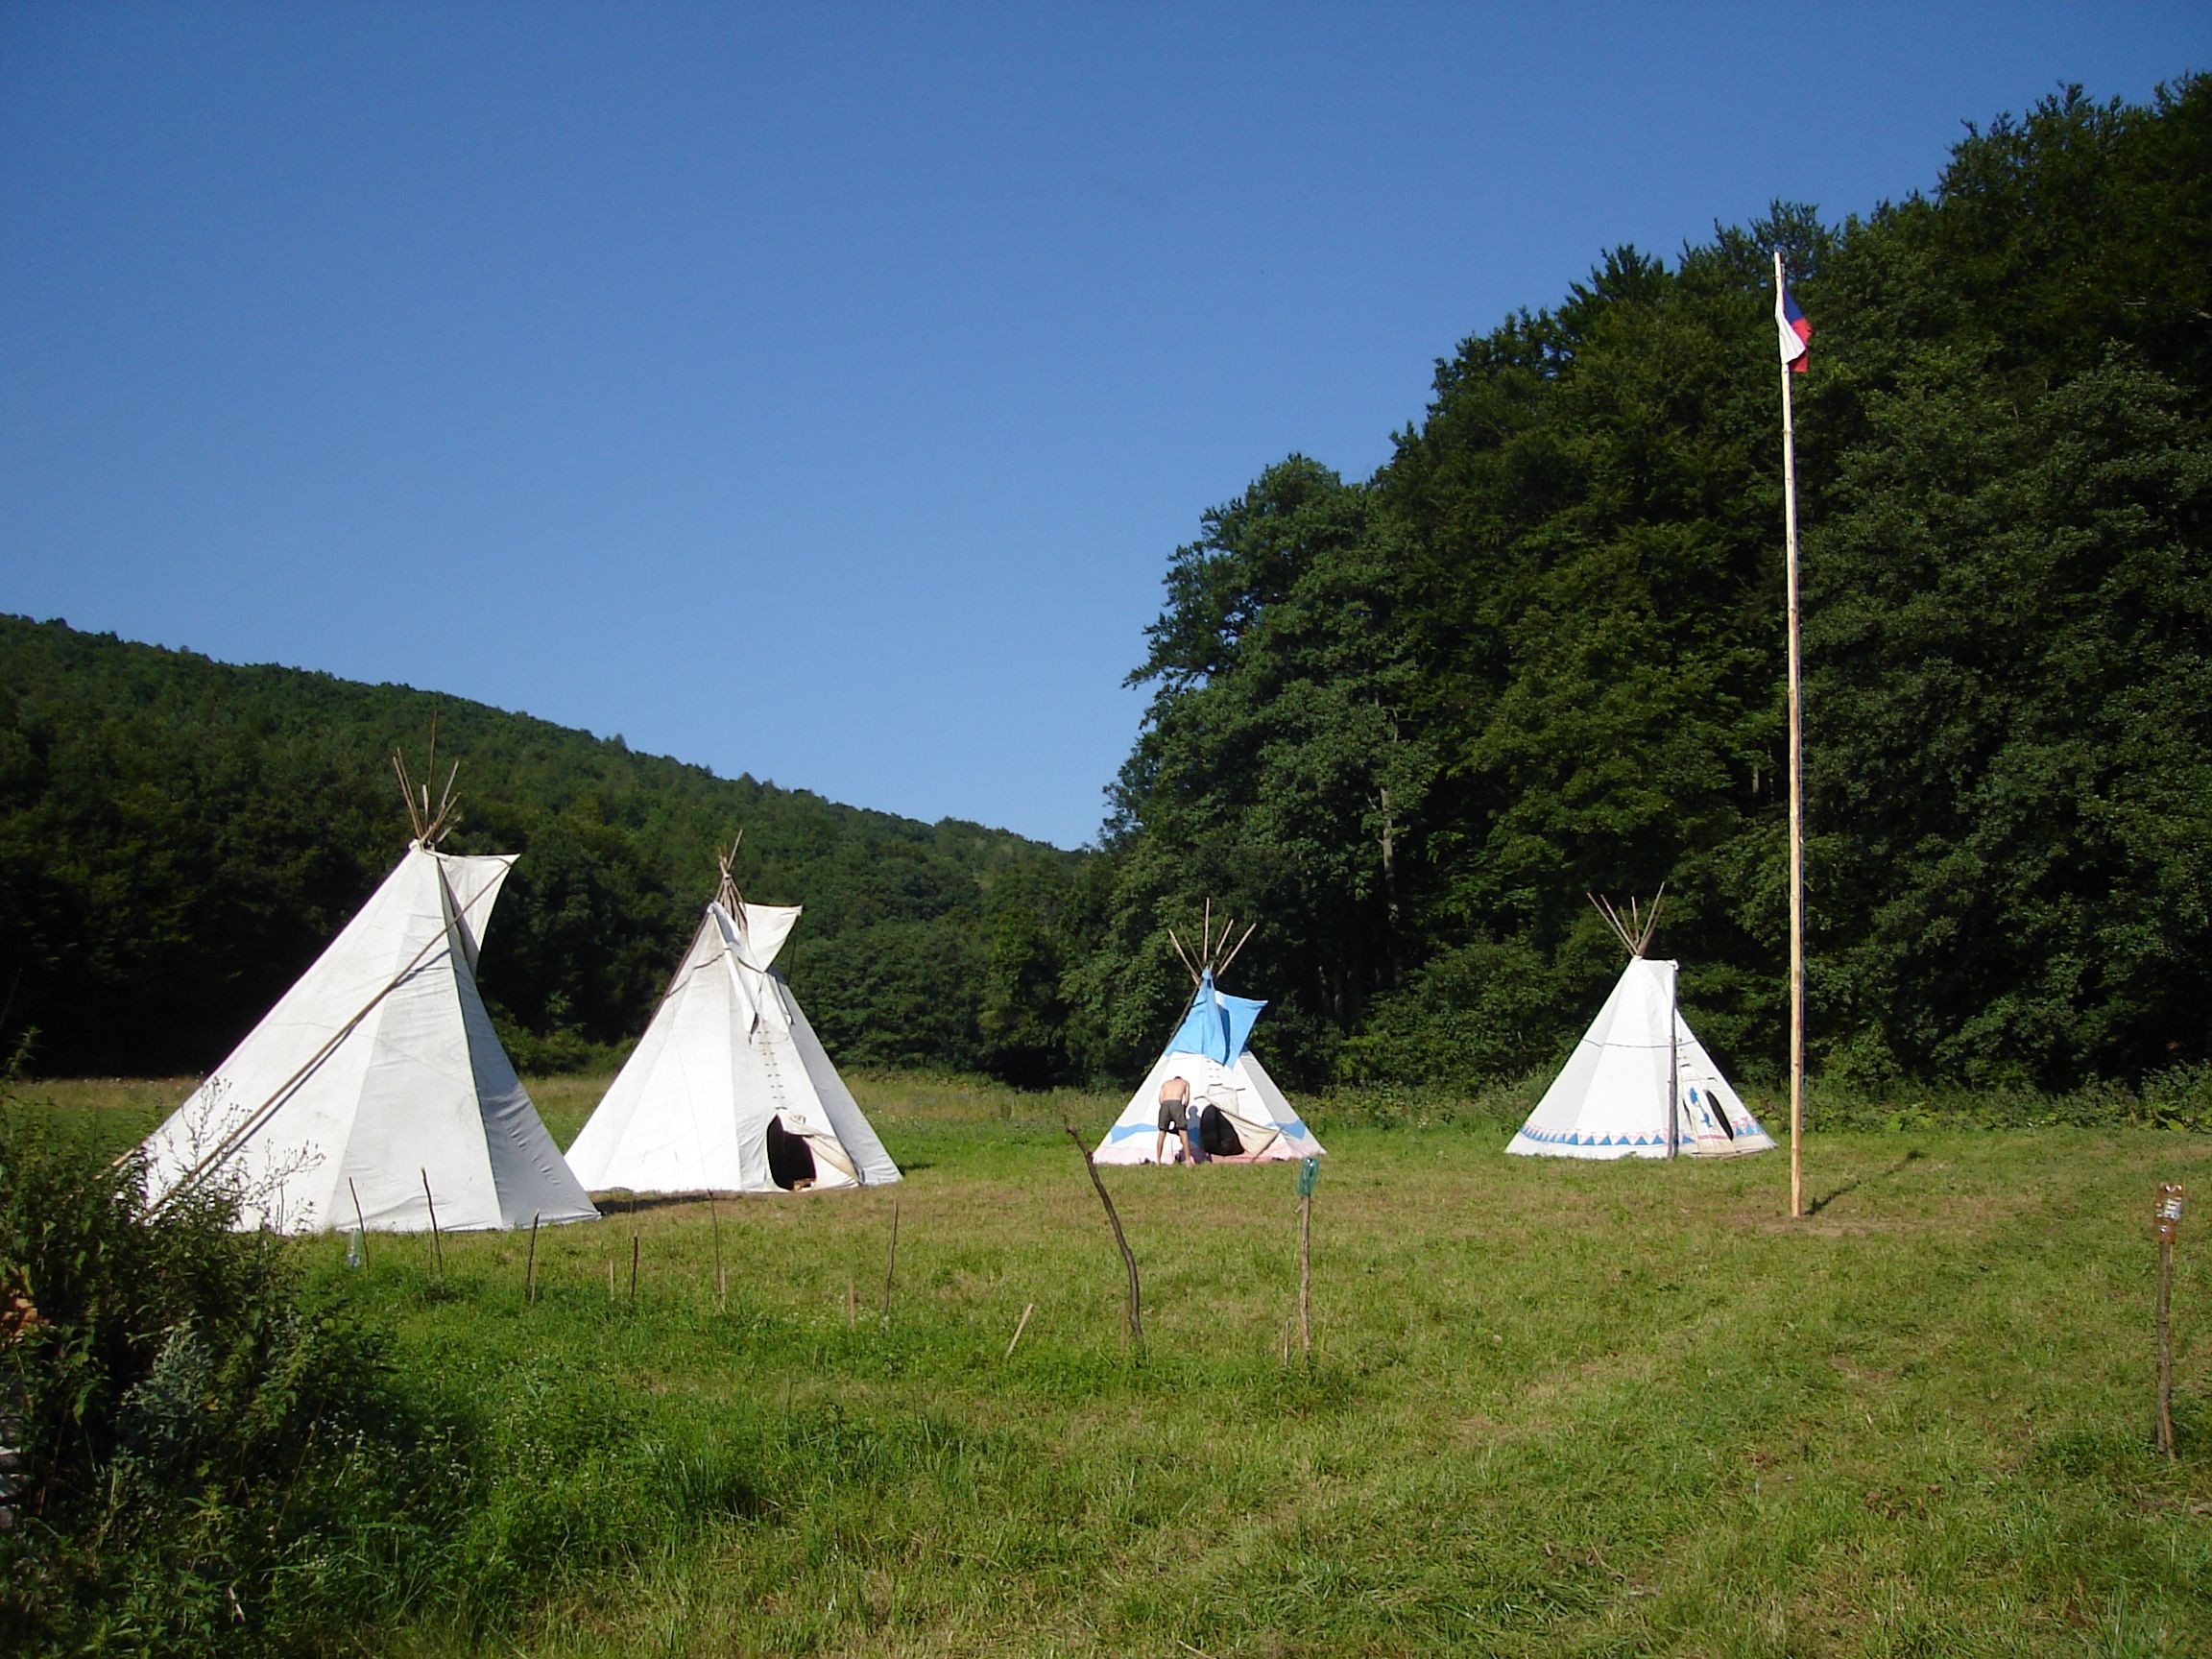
[376, 1088]
[730, 1089]
[1207, 1052]
[1640, 1084]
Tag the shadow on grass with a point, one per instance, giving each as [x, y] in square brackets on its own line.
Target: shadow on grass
[1911, 1156]
[618, 1203]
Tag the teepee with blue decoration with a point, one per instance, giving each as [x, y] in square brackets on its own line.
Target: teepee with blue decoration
[1210, 1053]
[1640, 1084]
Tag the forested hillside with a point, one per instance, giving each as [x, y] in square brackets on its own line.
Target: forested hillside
[179, 837]
[1411, 722]
[1405, 722]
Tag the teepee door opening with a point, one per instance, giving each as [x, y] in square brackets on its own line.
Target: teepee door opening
[791, 1161]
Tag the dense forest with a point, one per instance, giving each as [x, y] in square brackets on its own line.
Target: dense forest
[1412, 722]
[1408, 723]
[179, 837]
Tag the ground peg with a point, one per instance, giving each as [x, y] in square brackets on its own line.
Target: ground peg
[2167, 1221]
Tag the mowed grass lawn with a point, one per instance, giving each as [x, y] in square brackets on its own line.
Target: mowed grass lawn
[1552, 1408]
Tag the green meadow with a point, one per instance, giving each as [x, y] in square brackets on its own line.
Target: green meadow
[1550, 1407]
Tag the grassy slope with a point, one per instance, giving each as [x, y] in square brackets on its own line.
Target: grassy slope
[1554, 1409]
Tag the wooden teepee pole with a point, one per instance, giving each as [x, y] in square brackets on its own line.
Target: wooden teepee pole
[1796, 806]
[1673, 1059]
[1189, 965]
[1240, 943]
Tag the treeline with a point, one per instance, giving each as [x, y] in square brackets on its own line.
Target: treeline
[1408, 723]
[178, 838]
[1412, 722]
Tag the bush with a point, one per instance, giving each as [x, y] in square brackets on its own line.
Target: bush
[2179, 1099]
[1501, 1106]
[1465, 1019]
[559, 1054]
[205, 1461]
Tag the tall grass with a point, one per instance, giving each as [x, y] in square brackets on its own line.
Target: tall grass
[1553, 1408]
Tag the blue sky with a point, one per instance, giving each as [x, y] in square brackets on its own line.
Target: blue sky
[818, 391]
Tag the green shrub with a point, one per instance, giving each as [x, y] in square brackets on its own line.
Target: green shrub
[206, 1461]
[1501, 1104]
[1464, 1019]
[560, 1054]
[2179, 1098]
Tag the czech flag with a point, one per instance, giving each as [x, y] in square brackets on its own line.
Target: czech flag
[1797, 327]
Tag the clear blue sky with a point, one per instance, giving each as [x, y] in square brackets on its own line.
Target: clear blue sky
[818, 391]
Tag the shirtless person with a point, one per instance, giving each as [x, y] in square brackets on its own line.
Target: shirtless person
[1174, 1105]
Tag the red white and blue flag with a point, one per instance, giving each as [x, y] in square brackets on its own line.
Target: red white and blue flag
[1797, 327]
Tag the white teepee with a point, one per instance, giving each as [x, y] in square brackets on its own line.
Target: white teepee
[1612, 1098]
[730, 1089]
[376, 1088]
[1207, 1052]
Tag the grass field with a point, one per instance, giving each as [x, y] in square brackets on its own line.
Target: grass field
[1552, 1409]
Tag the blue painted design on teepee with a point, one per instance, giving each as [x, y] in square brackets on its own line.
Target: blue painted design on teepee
[1571, 1138]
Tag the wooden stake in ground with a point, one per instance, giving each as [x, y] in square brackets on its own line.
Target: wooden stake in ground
[852, 1304]
[721, 1281]
[359, 1226]
[1133, 1332]
[530, 1266]
[1020, 1325]
[633, 1269]
[437, 1243]
[1309, 1172]
[891, 1263]
[2168, 1223]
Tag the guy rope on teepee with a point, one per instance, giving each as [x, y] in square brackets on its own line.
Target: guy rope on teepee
[365, 1075]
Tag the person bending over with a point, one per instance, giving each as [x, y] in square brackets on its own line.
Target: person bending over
[1174, 1107]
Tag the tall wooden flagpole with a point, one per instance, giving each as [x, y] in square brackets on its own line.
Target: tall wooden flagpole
[1796, 796]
